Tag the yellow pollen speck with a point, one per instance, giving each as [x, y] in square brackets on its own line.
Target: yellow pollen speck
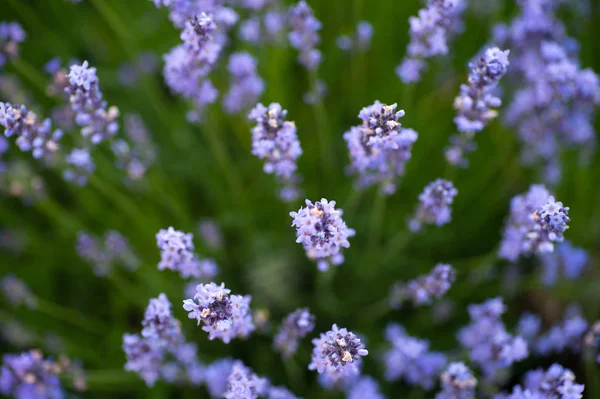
[347, 357]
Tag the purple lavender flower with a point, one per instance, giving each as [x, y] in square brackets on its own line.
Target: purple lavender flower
[176, 248]
[97, 122]
[81, 166]
[458, 382]
[360, 41]
[365, 387]
[304, 34]
[89, 248]
[556, 382]
[567, 334]
[250, 30]
[322, 232]
[529, 326]
[280, 393]
[217, 374]
[246, 86]
[535, 223]
[211, 233]
[137, 155]
[17, 292]
[19, 179]
[11, 36]
[295, 326]
[224, 316]
[380, 147]
[568, 261]
[430, 32]
[159, 323]
[144, 357]
[242, 383]
[274, 140]
[336, 350]
[181, 11]
[425, 288]
[32, 135]
[29, 376]
[476, 101]
[486, 339]
[434, 207]
[410, 359]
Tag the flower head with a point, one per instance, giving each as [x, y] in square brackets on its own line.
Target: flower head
[295, 326]
[335, 350]
[434, 207]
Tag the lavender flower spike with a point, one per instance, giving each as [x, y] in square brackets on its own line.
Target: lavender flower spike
[176, 248]
[458, 382]
[11, 36]
[32, 134]
[274, 140]
[365, 388]
[476, 102]
[17, 292]
[97, 122]
[434, 207]
[556, 382]
[322, 231]
[304, 35]
[380, 147]
[29, 376]
[423, 289]
[242, 383]
[335, 350]
[295, 326]
[429, 34]
[224, 316]
[246, 85]
[536, 221]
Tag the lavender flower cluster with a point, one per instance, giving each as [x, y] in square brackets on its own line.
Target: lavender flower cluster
[476, 102]
[380, 147]
[430, 32]
[103, 255]
[489, 344]
[360, 40]
[458, 382]
[304, 34]
[556, 382]
[409, 359]
[434, 206]
[17, 293]
[423, 289]
[137, 155]
[29, 375]
[294, 327]
[11, 36]
[322, 231]
[536, 221]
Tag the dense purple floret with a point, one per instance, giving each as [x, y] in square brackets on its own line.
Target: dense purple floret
[224, 316]
[536, 221]
[365, 387]
[304, 35]
[430, 32]
[380, 147]
[566, 261]
[295, 326]
[242, 383]
[489, 344]
[11, 36]
[434, 205]
[322, 231]
[424, 289]
[336, 350]
[476, 102]
[458, 382]
[29, 376]
[555, 383]
[274, 141]
[409, 359]
[246, 86]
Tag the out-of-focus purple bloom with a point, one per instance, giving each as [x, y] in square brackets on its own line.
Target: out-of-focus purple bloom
[380, 147]
[316, 93]
[97, 122]
[322, 231]
[294, 327]
[361, 39]
[250, 30]
[181, 11]
[137, 155]
[489, 344]
[19, 179]
[216, 375]
[127, 74]
[434, 205]
[365, 388]
[567, 334]
[430, 32]
[81, 166]
[336, 350]
[31, 133]
[535, 223]
[224, 316]
[568, 261]
[274, 140]
[148, 62]
[246, 86]
[11, 36]
[103, 256]
[304, 34]
[211, 233]
[556, 382]
[15, 334]
[280, 393]
[242, 383]
[476, 102]
[529, 326]
[17, 292]
[410, 359]
[458, 382]
[424, 289]
[29, 376]
[175, 247]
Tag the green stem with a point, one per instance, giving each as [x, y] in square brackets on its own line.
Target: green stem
[31, 74]
[49, 207]
[375, 224]
[71, 316]
[324, 132]
[294, 374]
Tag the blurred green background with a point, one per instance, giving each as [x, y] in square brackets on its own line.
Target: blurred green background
[208, 172]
